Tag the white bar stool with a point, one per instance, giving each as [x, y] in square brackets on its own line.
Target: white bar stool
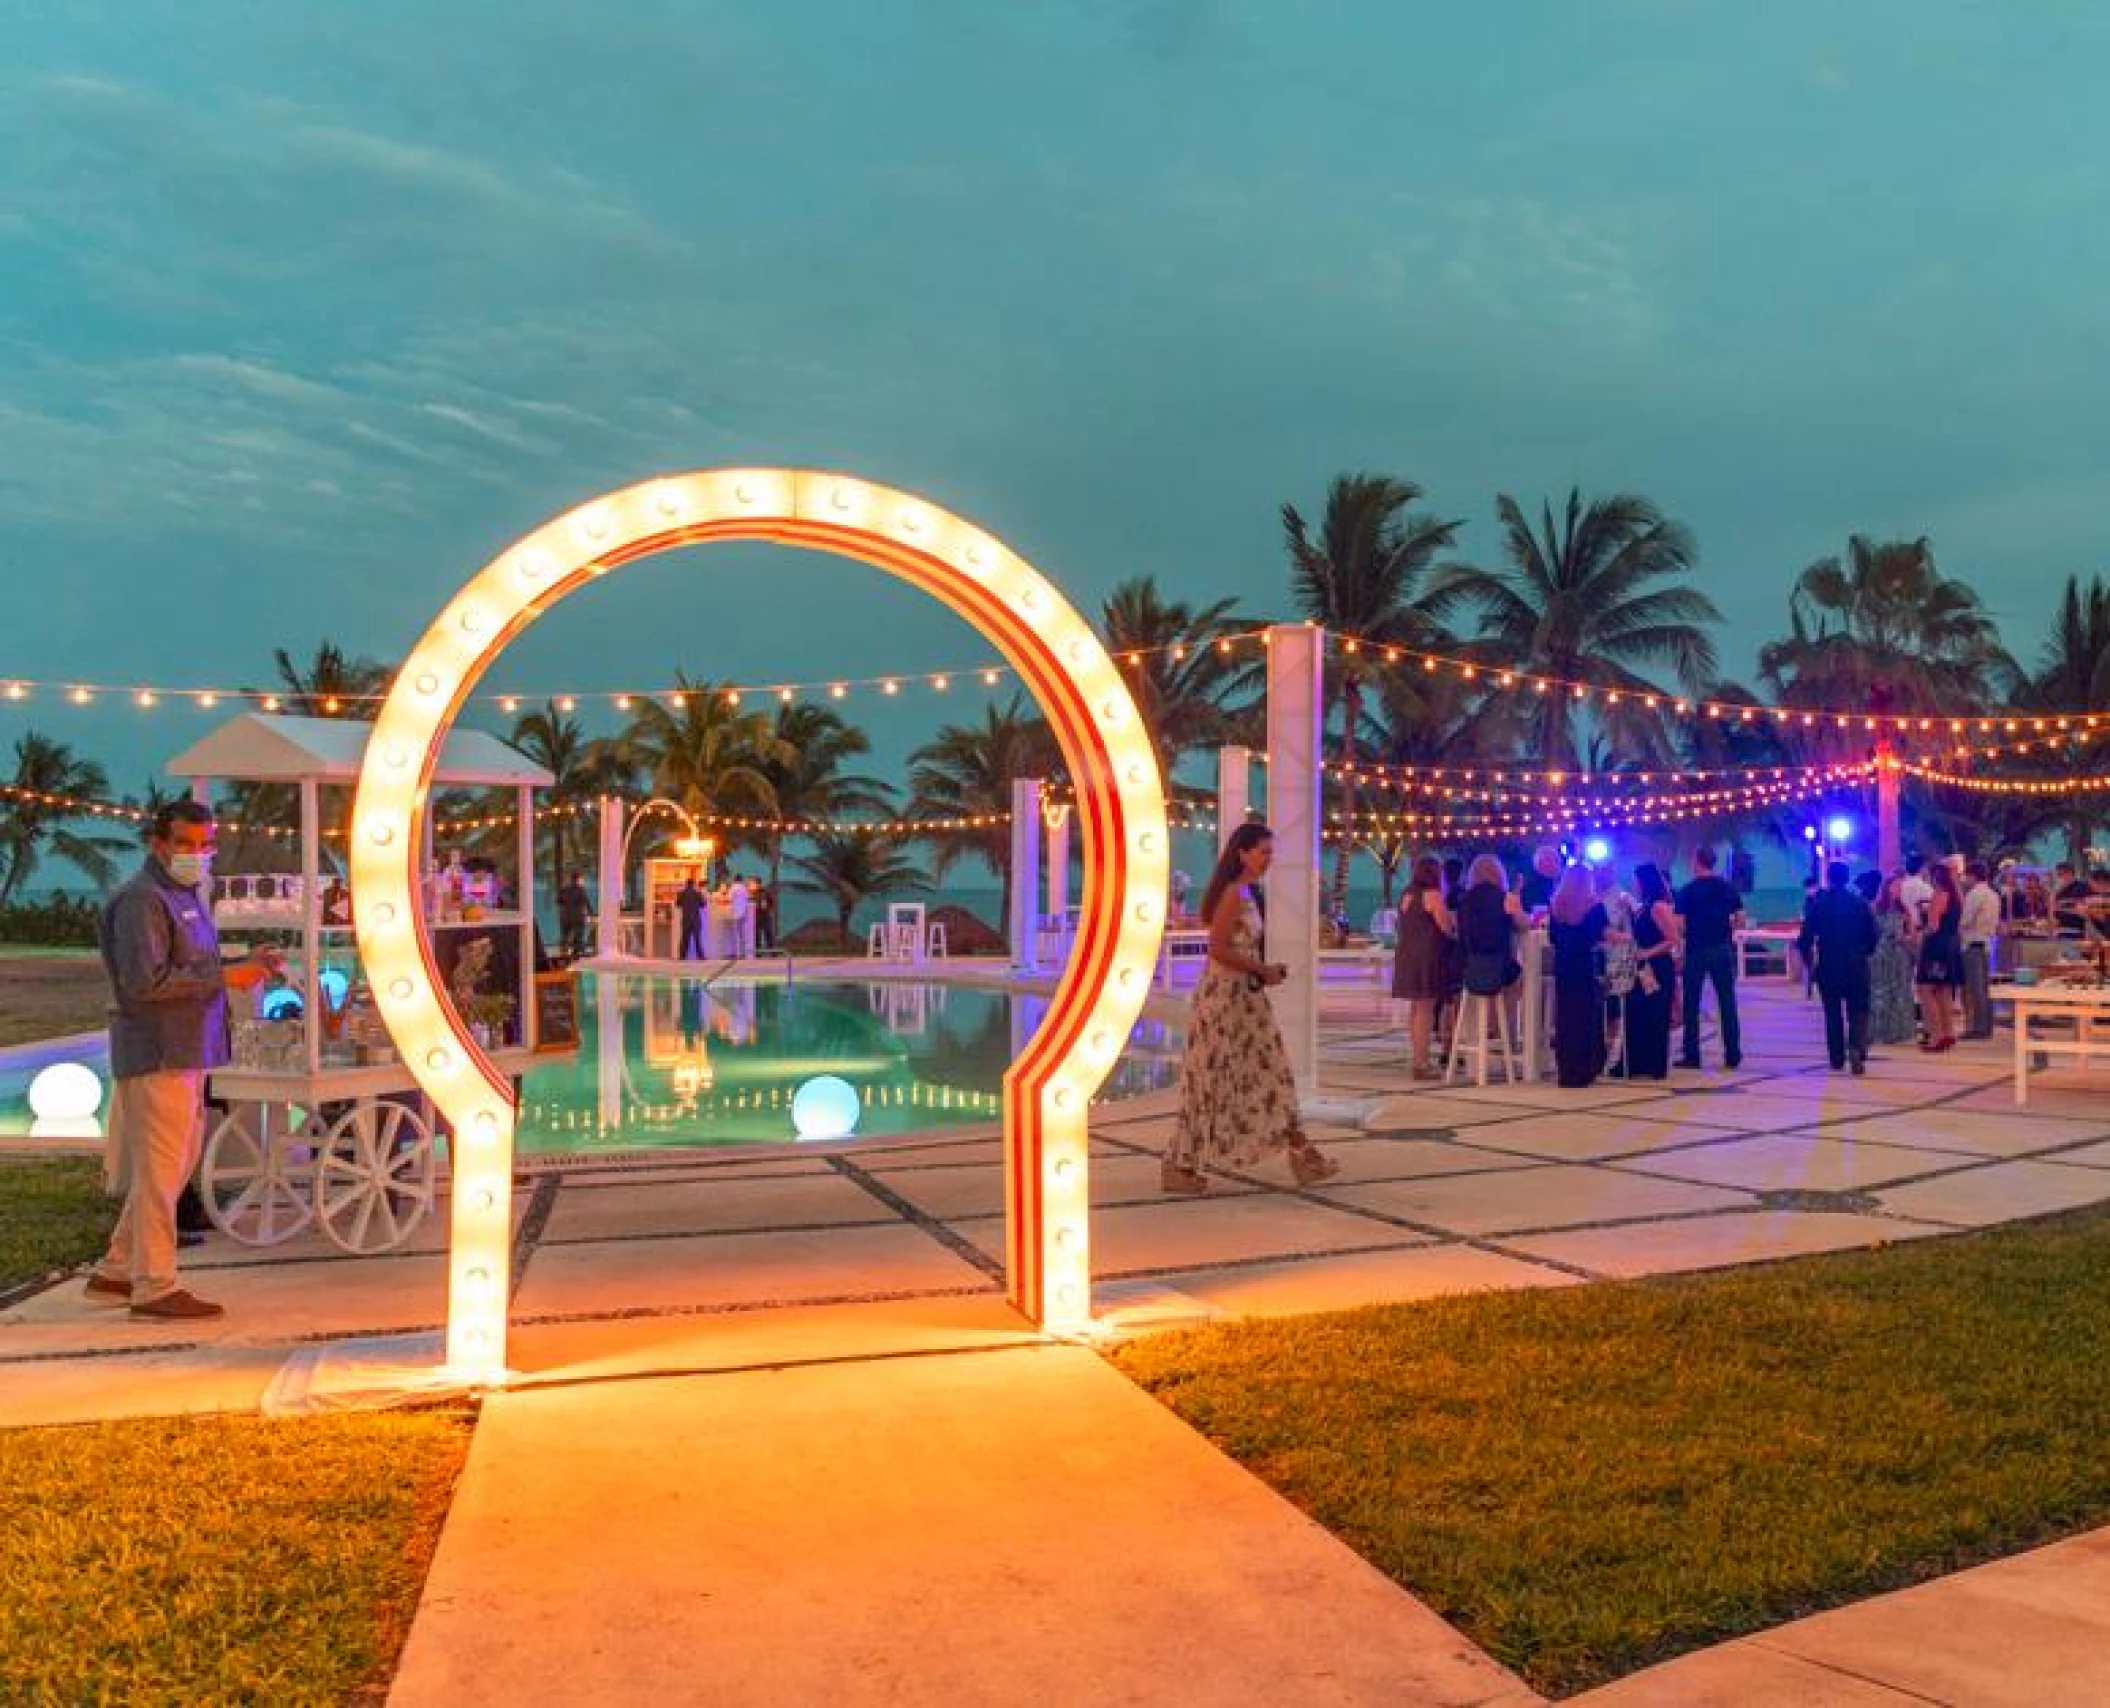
[1477, 1015]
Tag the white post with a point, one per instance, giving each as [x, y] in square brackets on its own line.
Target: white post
[1025, 873]
[311, 916]
[1057, 819]
[524, 900]
[1234, 781]
[1294, 707]
[608, 935]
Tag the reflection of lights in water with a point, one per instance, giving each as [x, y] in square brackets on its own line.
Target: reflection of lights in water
[825, 1107]
[66, 1091]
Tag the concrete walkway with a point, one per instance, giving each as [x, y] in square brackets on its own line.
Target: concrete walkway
[987, 1526]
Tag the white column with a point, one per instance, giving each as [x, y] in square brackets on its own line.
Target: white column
[311, 916]
[609, 928]
[608, 1057]
[524, 900]
[1294, 708]
[1234, 781]
[1057, 820]
[1025, 874]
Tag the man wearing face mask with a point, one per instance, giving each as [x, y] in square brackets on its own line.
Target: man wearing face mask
[168, 1029]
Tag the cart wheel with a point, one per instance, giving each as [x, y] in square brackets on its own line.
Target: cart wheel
[376, 1176]
[257, 1176]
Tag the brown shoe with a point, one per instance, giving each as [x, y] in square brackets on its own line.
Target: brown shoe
[1308, 1165]
[101, 1290]
[1177, 1177]
[179, 1306]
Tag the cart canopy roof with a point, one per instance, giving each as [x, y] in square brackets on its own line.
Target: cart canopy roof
[270, 747]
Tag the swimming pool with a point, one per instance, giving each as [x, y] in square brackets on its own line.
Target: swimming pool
[666, 1061]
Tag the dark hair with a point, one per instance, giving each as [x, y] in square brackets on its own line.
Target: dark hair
[1838, 874]
[1649, 884]
[1230, 865]
[1870, 884]
[1703, 857]
[1428, 875]
[1980, 870]
[1913, 862]
[1945, 880]
[172, 813]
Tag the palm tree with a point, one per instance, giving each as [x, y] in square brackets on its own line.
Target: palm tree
[1181, 682]
[705, 753]
[332, 685]
[585, 768]
[1421, 720]
[1361, 577]
[1584, 600]
[850, 867]
[29, 827]
[967, 772]
[811, 783]
[1887, 632]
[2073, 675]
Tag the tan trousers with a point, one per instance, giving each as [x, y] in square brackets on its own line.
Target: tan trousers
[157, 1121]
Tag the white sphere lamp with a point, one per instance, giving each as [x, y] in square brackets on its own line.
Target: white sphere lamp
[65, 1091]
[825, 1107]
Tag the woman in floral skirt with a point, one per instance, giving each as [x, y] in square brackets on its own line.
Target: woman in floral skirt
[1238, 1098]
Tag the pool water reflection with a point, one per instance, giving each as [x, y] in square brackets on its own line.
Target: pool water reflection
[671, 1061]
[666, 1061]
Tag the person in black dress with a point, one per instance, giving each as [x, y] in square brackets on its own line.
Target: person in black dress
[1656, 960]
[1940, 971]
[1419, 957]
[1838, 936]
[1577, 926]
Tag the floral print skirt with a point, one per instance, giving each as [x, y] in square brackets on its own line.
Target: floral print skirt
[1238, 1098]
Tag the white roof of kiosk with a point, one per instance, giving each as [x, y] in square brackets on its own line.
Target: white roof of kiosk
[267, 747]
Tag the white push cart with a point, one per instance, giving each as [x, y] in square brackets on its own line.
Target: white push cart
[315, 1122]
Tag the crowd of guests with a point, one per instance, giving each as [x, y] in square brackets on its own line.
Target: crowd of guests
[1892, 958]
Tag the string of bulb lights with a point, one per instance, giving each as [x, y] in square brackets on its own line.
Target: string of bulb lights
[2013, 722]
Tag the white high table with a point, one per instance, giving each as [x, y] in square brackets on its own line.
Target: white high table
[2083, 1004]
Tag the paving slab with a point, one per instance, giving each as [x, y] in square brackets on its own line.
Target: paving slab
[1587, 1137]
[1712, 1242]
[998, 1528]
[1188, 1233]
[1549, 1197]
[1778, 1162]
[1428, 1109]
[1397, 1276]
[2028, 1632]
[744, 1270]
[83, 1390]
[1744, 1675]
[1999, 1192]
[1407, 1158]
[710, 1206]
[1966, 1132]
[268, 1302]
[2088, 1156]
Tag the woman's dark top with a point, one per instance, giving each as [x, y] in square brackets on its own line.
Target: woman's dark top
[1484, 924]
[1574, 946]
[1417, 962]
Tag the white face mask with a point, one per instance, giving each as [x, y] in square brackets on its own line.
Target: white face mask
[190, 870]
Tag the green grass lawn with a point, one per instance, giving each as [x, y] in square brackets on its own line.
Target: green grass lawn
[53, 1215]
[1590, 1480]
[217, 1559]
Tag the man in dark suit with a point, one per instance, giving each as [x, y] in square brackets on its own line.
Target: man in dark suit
[1838, 935]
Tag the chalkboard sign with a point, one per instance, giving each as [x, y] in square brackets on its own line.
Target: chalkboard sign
[556, 1011]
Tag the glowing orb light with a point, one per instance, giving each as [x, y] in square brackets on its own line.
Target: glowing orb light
[1597, 851]
[282, 1005]
[65, 1091]
[825, 1108]
[1840, 829]
[335, 986]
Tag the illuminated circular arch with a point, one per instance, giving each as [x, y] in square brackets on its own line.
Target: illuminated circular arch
[1120, 809]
